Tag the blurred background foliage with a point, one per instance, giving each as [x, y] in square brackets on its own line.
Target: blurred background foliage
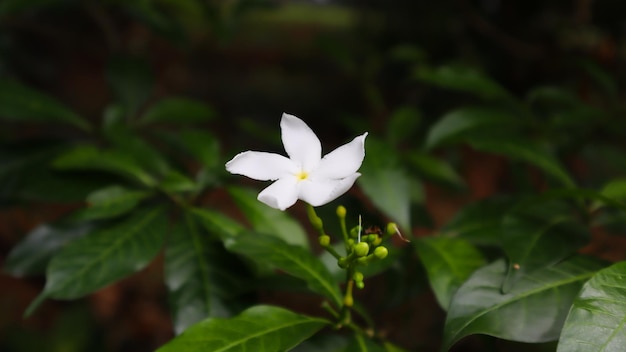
[463, 100]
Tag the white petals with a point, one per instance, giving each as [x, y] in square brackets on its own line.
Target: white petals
[281, 194]
[301, 144]
[304, 175]
[261, 166]
[343, 161]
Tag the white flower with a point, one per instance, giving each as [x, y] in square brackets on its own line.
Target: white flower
[305, 174]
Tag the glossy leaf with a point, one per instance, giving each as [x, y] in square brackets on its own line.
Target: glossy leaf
[267, 220]
[465, 79]
[111, 202]
[200, 275]
[616, 189]
[260, 329]
[202, 145]
[91, 158]
[218, 223]
[533, 311]
[31, 255]
[465, 122]
[138, 149]
[597, 320]
[537, 235]
[292, 259]
[20, 103]
[104, 256]
[526, 151]
[435, 169]
[180, 111]
[448, 262]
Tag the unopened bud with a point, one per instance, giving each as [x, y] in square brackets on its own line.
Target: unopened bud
[342, 262]
[392, 228]
[324, 240]
[341, 211]
[360, 285]
[348, 301]
[361, 249]
[381, 252]
[357, 276]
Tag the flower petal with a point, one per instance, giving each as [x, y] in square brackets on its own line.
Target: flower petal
[301, 144]
[261, 166]
[281, 194]
[320, 192]
[343, 161]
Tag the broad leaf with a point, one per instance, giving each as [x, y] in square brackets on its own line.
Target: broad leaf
[533, 311]
[435, 169]
[112, 201]
[597, 320]
[218, 223]
[32, 254]
[268, 220]
[91, 158]
[294, 260]
[463, 123]
[404, 122]
[138, 149]
[200, 275]
[199, 144]
[537, 235]
[616, 189]
[464, 79]
[260, 329]
[180, 111]
[527, 151]
[20, 103]
[448, 262]
[104, 256]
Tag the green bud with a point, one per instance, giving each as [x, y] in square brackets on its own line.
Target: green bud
[341, 211]
[350, 242]
[317, 223]
[361, 249]
[342, 262]
[348, 301]
[324, 240]
[357, 276]
[392, 228]
[354, 232]
[360, 285]
[381, 252]
[377, 241]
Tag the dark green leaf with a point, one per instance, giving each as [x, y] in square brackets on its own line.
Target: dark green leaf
[199, 144]
[21, 103]
[268, 220]
[91, 158]
[294, 260]
[615, 189]
[175, 182]
[32, 254]
[465, 122]
[537, 235]
[180, 111]
[138, 149]
[361, 343]
[111, 202]
[131, 80]
[597, 320]
[533, 311]
[435, 169]
[527, 151]
[448, 262]
[404, 121]
[259, 329]
[104, 256]
[219, 224]
[200, 276]
[464, 79]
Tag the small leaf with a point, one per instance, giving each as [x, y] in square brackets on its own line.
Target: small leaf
[537, 235]
[91, 158]
[526, 151]
[533, 311]
[292, 259]
[259, 329]
[465, 122]
[464, 79]
[112, 201]
[32, 254]
[104, 256]
[597, 320]
[267, 220]
[20, 103]
[448, 262]
[199, 274]
[435, 169]
[180, 111]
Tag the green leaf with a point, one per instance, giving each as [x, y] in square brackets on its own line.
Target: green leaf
[268, 220]
[533, 311]
[464, 79]
[537, 235]
[175, 182]
[360, 343]
[292, 259]
[527, 151]
[32, 254]
[88, 157]
[260, 329]
[462, 123]
[448, 262]
[104, 256]
[435, 169]
[131, 80]
[404, 121]
[615, 189]
[138, 149]
[199, 144]
[20, 103]
[217, 223]
[112, 201]
[200, 276]
[180, 111]
[597, 320]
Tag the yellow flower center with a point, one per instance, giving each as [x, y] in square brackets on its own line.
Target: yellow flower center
[302, 175]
